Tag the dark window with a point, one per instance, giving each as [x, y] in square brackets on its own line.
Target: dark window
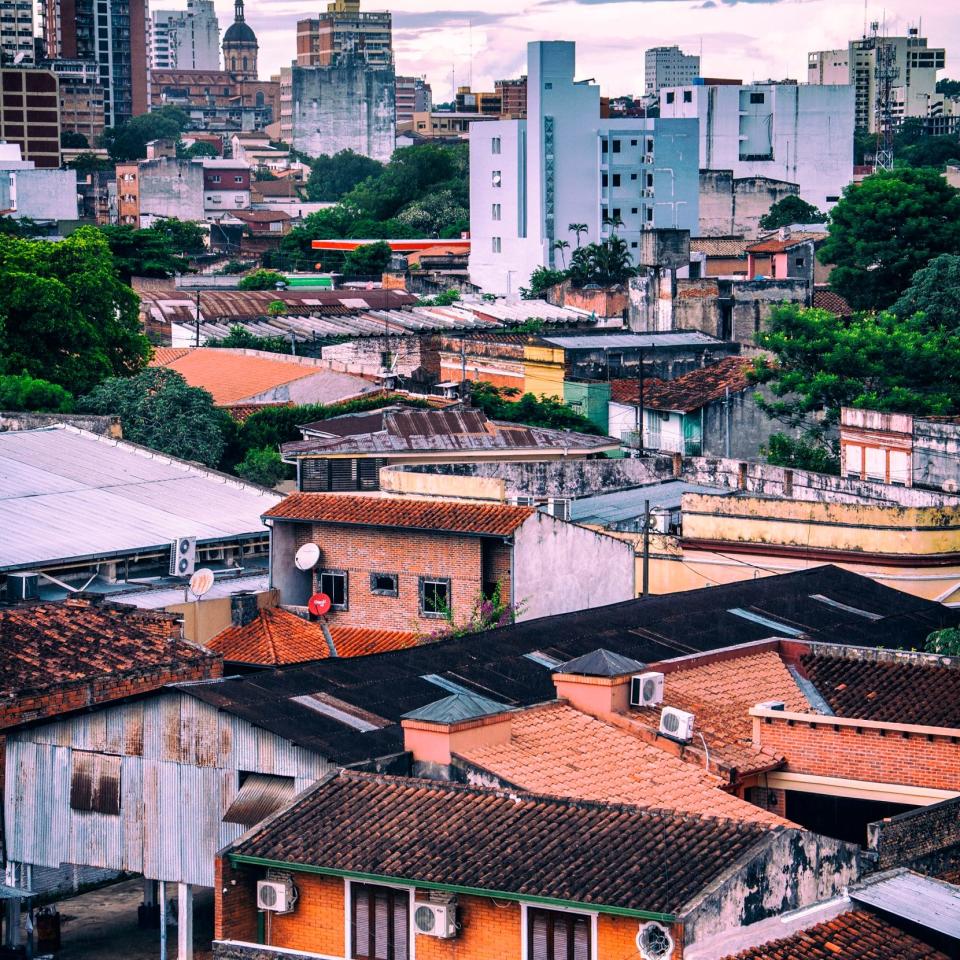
[603, 180]
[633, 176]
[616, 213]
[756, 98]
[384, 584]
[633, 143]
[552, 935]
[616, 179]
[832, 199]
[603, 146]
[95, 782]
[334, 584]
[688, 96]
[616, 146]
[435, 597]
[634, 210]
[671, 96]
[799, 261]
[649, 145]
[379, 929]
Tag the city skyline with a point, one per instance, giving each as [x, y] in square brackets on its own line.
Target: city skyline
[747, 39]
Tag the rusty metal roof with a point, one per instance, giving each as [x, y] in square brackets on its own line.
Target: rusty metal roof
[259, 795]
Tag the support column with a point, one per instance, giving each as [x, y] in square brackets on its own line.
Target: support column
[184, 921]
[149, 892]
[163, 919]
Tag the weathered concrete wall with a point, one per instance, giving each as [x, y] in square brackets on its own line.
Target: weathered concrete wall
[927, 838]
[350, 106]
[753, 300]
[732, 206]
[936, 453]
[793, 870]
[697, 306]
[42, 194]
[741, 419]
[105, 426]
[171, 188]
[365, 356]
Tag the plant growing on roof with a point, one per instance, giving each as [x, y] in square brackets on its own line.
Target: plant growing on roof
[487, 613]
[945, 642]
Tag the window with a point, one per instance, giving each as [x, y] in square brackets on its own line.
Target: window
[552, 935]
[671, 96]
[215, 178]
[833, 199]
[688, 96]
[495, 211]
[649, 144]
[495, 244]
[95, 783]
[649, 214]
[384, 584]
[633, 210]
[379, 926]
[633, 143]
[495, 178]
[616, 179]
[798, 262]
[334, 584]
[756, 98]
[238, 198]
[548, 86]
[616, 214]
[649, 179]
[633, 176]
[616, 146]
[603, 180]
[238, 179]
[604, 146]
[495, 145]
[435, 597]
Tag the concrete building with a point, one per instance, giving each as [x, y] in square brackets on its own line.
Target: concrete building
[732, 206]
[240, 46]
[217, 99]
[30, 114]
[186, 39]
[412, 95]
[912, 68]
[81, 97]
[38, 193]
[344, 32]
[513, 98]
[113, 35]
[16, 32]
[443, 124]
[668, 67]
[530, 179]
[797, 133]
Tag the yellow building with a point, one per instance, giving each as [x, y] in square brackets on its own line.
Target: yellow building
[543, 370]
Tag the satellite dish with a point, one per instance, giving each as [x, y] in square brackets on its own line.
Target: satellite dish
[201, 581]
[307, 556]
[319, 604]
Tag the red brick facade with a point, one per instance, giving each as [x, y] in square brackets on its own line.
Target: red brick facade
[470, 563]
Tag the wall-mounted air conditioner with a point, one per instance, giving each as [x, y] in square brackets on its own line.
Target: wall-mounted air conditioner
[676, 724]
[277, 896]
[435, 919]
[646, 689]
[183, 556]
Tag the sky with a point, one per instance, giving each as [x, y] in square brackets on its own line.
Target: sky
[450, 41]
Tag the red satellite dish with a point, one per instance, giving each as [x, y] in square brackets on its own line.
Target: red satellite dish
[319, 604]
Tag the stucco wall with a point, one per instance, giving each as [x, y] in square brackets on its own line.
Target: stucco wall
[43, 194]
[559, 567]
[936, 450]
[732, 206]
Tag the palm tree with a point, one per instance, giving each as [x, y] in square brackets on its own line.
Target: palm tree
[562, 245]
[577, 228]
[612, 223]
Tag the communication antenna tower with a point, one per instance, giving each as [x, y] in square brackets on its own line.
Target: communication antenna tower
[886, 72]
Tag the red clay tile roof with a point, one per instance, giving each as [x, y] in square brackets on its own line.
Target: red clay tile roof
[485, 519]
[775, 245]
[560, 751]
[242, 411]
[47, 645]
[725, 247]
[899, 691]
[277, 637]
[163, 356]
[828, 300]
[472, 838]
[856, 935]
[691, 391]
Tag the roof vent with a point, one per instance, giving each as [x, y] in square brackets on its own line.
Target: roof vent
[654, 941]
[773, 705]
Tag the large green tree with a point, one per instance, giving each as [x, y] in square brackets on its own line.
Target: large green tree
[819, 363]
[184, 236]
[157, 408]
[23, 392]
[143, 253]
[333, 176]
[934, 292]
[791, 209]
[65, 314]
[369, 259]
[499, 403]
[129, 141]
[885, 229]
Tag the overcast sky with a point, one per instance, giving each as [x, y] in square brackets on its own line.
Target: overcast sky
[750, 39]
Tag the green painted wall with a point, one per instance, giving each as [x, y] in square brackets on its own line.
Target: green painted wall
[591, 398]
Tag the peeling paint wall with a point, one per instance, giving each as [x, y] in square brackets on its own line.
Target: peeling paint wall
[732, 206]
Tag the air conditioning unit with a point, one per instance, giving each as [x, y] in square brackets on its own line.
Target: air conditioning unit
[559, 507]
[183, 556]
[646, 689]
[277, 896]
[435, 919]
[676, 724]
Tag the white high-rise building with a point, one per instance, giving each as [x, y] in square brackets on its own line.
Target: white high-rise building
[668, 67]
[531, 179]
[186, 39]
[799, 133]
[912, 74]
[16, 32]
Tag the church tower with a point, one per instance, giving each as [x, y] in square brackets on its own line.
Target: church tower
[240, 46]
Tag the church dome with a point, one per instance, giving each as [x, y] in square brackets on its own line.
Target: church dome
[239, 32]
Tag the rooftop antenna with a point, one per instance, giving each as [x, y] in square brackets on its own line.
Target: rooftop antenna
[470, 35]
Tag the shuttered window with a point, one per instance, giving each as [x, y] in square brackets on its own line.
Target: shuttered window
[552, 935]
[379, 924]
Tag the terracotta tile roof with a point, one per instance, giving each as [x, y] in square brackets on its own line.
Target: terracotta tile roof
[44, 646]
[261, 216]
[828, 300]
[277, 637]
[719, 246]
[719, 696]
[856, 935]
[486, 519]
[691, 391]
[899, 691]
[560, 751]
[243, 411]
[232, 377]
[162, 356]
[423, 831]
[775, 245]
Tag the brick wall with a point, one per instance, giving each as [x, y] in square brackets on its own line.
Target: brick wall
[825, 749]
[920, 838]
[408, 554]
[617, 937]
[490, 931]
[235, 901]
[317, 923]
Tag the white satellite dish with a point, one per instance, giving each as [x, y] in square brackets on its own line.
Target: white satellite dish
[201, 582]
[308, 556]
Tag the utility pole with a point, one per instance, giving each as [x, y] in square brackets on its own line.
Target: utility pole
[645, 589]
[197, 321]
[726, 423]
[640, 410]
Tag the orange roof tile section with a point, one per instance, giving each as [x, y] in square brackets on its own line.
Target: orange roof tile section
[557, 750]
[277, 637]
[232, 377]
[499, 520]
[689, 392]
[719, 695]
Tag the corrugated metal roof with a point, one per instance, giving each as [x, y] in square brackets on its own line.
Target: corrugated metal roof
[457, 707]
[621, 341]
[69, 494]
[628, 504]
[259, 795]
[932, 904]
[601, 663]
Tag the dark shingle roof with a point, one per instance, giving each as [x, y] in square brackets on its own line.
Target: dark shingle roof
[895, 691]
[691, 391]
[457, 707]
[523, 844]
[601, 663]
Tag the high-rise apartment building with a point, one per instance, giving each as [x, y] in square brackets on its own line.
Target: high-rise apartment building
[513, 98]
[81, 97]
[902, 70]
[113, 35]
[16, 32]
[565, 164]
[344, 31]
[186, 39]
[413, 95]
[30, 114]
[668, 67]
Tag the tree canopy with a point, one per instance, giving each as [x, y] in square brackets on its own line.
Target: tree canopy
[934, 292]
[789, 210]
[160, 410]
[129, 140]
[369, 259]
[498, 404]
[23, 392]
[145, 252]
[607, 263]
[333, 176]
[262, 280]
[198, 150]
[184, 236]
[885, 229]
[65, 315]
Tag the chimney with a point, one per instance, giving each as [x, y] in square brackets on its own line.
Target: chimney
[243, 608]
